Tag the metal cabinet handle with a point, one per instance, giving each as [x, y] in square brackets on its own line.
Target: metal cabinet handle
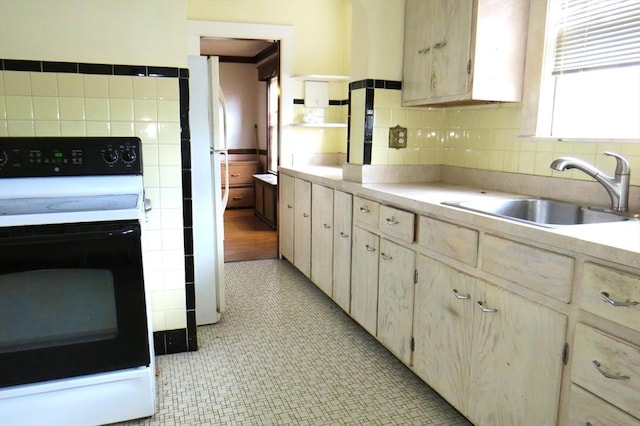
[327, 226]
[234, 175]
[602, 371]
[369, 248]
[461, 296]
[485, 309]
[364, 210]
[392, 221]
[386, 256]
[237, 198]
[343, 235]
[606, 298]
[289, 206]
[440, 45]
[305, 214]
[423, 51]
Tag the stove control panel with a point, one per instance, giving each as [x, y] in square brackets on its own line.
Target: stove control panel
[69, 156]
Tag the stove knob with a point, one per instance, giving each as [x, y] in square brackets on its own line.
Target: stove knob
[110, 156]
[128, 156]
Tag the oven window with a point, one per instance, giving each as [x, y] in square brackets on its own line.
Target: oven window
[56, 307]
[72, 301]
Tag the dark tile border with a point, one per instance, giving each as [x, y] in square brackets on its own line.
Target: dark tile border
[166, 341]
[370, 85]
[332, 102]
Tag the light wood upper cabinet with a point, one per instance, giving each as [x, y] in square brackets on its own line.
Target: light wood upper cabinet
[322, 237]
[395, 298]
[286, 188]
[302, 226]
[464, 51]
[342, 219]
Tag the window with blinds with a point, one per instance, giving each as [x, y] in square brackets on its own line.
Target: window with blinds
[597, 34]
[593, 69]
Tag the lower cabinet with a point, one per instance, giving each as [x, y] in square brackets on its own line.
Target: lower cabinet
[364, 279]
[587, 409]
[395, 298]
[286, 189]
[342, 220]
[322, 237]
[302, 226]
[493, 355]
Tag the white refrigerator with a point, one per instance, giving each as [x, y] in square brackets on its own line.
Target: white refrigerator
[207, 119]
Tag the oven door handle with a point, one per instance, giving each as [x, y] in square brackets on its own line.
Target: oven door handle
[96, 232]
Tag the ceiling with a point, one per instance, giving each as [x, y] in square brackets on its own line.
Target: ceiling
[233, 47]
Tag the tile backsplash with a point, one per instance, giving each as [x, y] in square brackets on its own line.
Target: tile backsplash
[74, 104]
[482, 137]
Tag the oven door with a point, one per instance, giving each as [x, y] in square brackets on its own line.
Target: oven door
[72, 301]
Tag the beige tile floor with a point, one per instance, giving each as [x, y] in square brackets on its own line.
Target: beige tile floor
[285, 354]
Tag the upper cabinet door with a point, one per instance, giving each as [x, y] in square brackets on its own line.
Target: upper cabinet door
[464, 51]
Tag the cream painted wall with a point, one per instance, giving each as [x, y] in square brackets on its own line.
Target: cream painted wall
[131, 32]
[240, 86]
[322, 27]
[377, 39]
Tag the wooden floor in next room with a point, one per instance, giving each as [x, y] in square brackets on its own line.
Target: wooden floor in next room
[248, 238]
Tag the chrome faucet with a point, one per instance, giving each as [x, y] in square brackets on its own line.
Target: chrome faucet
[617, 187]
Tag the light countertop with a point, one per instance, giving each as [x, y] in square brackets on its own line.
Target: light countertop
[617, 242]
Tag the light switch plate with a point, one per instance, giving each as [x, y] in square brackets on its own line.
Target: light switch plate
[397, 137]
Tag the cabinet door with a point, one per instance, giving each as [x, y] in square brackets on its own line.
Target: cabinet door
[322, 237]
[450, 39]
[417, 59]
[302, 226]
[395, 298]
[286, 229]
[364, 279]
[342, 211]
[443, 323]
[516, 361]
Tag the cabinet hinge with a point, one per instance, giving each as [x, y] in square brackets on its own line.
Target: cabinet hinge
[565, 354]
[415, 276]
[413, 344]
[469, 67]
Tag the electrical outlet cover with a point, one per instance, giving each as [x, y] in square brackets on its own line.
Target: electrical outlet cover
[397, 137]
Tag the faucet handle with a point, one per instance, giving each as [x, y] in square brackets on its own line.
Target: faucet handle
[622, 165]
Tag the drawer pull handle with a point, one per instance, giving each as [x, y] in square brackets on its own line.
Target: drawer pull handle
[602, 371]
[364, 210]
[392, 221]
[237, 198]
[234, 175]
[606, 298]
[343, 235]
[289, 206]
[369, 248]
[305, 214]
[485, 309]
[461, 296]
[327, 226]
[386, 256]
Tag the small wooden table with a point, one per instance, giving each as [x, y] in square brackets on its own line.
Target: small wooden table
[266, 198]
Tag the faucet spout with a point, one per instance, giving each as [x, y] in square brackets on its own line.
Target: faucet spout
[617, 186]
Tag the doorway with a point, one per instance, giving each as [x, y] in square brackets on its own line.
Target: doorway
[248, 69]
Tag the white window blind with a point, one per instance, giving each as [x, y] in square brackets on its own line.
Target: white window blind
[597, 34]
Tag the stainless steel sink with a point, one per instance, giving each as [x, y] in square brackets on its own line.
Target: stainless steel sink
[540, 211]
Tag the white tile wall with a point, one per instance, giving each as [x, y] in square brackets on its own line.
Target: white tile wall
[52, 104]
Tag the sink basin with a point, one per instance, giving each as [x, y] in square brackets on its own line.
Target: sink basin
[540, 211]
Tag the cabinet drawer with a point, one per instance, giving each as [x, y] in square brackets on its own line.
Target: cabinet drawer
[365, 211]
[540, 270]
[584, 408]
[454, 241]
[614, 357]
[240, 173]
[398, 223]
[240, 197]
[619, 287]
